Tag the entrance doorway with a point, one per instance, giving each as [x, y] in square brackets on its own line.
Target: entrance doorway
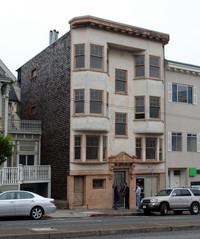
[149, 186]
[79, 191]
[119, 182]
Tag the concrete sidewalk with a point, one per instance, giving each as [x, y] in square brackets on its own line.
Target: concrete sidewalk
[93, 212]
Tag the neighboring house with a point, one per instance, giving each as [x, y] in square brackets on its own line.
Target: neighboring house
[99, 91]
[182, 84]
[22, 170]
[6, 78]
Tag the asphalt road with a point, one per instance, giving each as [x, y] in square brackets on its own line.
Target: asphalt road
[12, 223]
[159, 235]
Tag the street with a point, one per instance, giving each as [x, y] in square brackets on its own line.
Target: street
[160, 235]
[12, 223]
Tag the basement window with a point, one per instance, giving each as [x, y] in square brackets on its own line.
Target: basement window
[99, 183]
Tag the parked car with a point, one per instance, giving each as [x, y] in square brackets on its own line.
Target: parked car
[177, 200]
[24, 203]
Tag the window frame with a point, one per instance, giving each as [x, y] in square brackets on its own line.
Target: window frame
[155, 66]
[192, 136]
[177, 93]
[27, 159]
[74, 108]
[81, 141]
[141, 148]
[31, 109]
[139, 65]
[102, 103]
[154, 107]
[78, 68]
[124, 81]
[99, 179]
[92, 160]
[105, 148]
[126, 125]
[34, 69]
[102, 63]
[135, 113]
[181, 146]
[156, 148]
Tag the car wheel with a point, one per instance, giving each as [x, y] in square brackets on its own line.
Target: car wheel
[37, 213]
[178, 212]
[163, 209]
[194, 209]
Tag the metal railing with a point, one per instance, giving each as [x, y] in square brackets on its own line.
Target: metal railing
[25, 125]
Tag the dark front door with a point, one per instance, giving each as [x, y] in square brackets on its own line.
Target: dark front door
[119, 182]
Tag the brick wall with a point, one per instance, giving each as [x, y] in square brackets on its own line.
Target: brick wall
[50, 91]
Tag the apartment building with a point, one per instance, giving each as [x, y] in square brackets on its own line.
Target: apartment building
[99, 91]
[182, 83]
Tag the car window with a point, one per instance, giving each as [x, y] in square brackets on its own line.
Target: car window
[196, 192]
[24, 195]
[177, 192]
[7, 196]
[164, 192]
[185, 192]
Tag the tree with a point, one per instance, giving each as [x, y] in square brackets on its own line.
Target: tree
[5, 147]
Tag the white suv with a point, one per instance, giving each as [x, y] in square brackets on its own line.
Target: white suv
[177, 200]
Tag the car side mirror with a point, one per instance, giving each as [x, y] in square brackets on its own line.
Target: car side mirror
[173, 194]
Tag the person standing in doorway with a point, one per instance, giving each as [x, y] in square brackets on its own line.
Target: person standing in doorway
[138, 196]
[116, 197]
[126, 195]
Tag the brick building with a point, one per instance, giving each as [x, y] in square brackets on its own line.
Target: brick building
[99, 91]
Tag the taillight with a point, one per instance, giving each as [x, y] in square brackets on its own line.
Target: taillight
[52, 201]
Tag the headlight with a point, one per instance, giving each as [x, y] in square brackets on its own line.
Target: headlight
[154, 200]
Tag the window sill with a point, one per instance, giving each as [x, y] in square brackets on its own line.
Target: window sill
[148, 162]
[121, 137]
[121, 93]
[92, 162]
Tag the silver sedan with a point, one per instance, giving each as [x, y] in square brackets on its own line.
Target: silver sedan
[24, 203]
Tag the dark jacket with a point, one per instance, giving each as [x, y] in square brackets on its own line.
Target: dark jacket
[116, 195]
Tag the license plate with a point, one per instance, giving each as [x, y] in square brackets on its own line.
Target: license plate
[144, 206]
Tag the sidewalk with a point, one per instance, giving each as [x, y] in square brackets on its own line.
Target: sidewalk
[93, 212]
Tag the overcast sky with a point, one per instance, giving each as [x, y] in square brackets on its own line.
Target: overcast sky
[25, 24]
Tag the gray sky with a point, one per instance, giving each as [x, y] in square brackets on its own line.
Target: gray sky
[25, 24]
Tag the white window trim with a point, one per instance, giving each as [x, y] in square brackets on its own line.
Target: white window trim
[169, 141]
[194, 95]
[170, 92]
[198, 143]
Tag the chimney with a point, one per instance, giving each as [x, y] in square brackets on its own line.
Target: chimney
[53, 36]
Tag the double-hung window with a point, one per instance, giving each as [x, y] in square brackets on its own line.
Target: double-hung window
[138, 146]
[120, 81]
[139, 107]
[120, 124]
[151, 145]
[104, 148]
[79, 56]
[96, 57]
[191, 142]
[154, 107]
[92, 147]
[79, 101]
[176, 141]
[34, 73]
[139, 66]
[77, 147]
[154, 67]
[96, 102]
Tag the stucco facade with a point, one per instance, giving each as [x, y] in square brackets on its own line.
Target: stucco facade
[182, 87]
[119, 47]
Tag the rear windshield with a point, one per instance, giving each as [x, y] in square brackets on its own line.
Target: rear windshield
[165, 192]
[196, 192]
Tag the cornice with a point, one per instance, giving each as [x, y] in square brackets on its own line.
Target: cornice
[106, 25]
[182, 68]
